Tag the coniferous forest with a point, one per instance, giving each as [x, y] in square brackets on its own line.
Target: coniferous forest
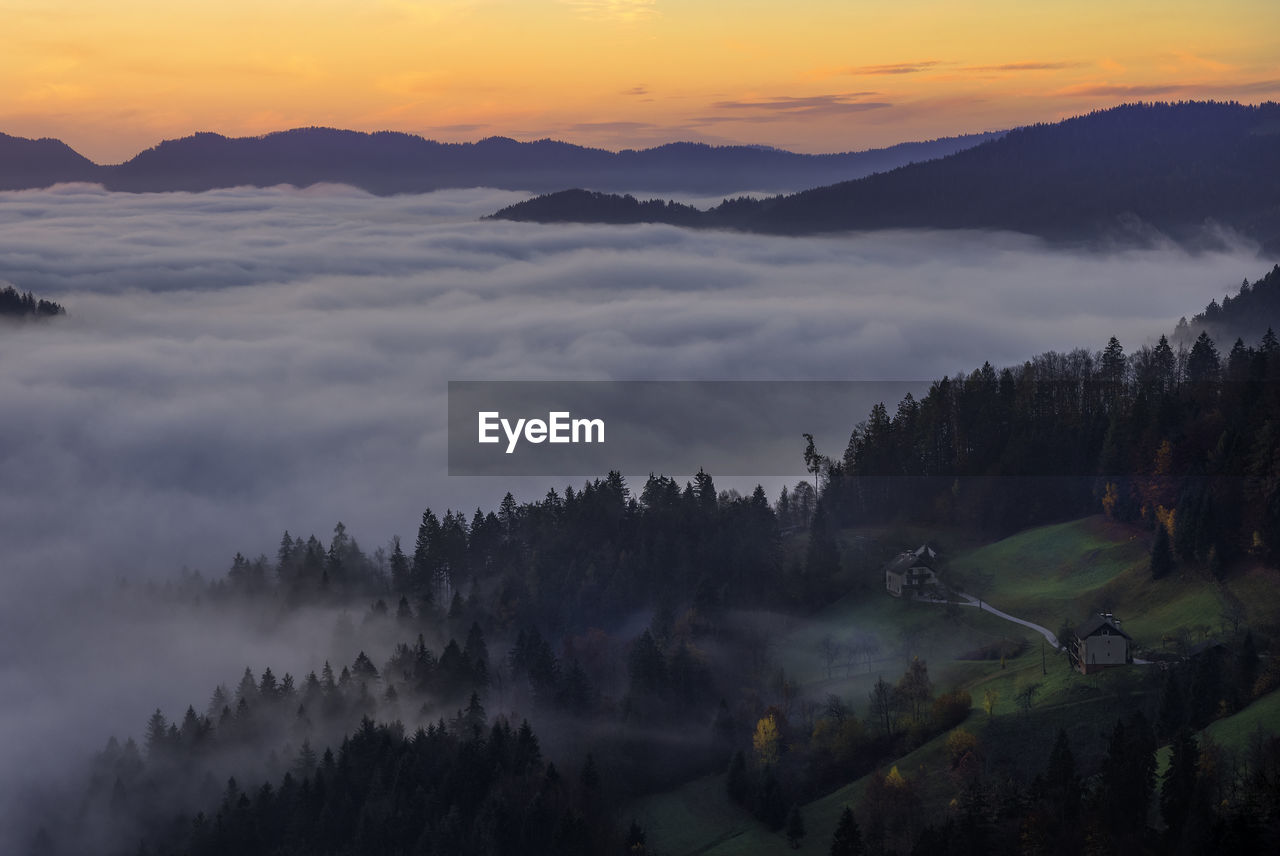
[528, 675]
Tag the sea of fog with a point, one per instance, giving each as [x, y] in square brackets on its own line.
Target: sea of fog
[239, 362]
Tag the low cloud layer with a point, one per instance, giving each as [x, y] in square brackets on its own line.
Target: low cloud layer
[240, 362]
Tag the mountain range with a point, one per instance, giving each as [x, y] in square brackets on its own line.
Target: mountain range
[1185, 171]
[389, 162]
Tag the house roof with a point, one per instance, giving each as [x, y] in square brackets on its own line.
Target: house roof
[1093, 625]
[920, 557]
[1214, 645]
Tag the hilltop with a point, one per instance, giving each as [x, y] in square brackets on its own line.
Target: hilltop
[1129, 174]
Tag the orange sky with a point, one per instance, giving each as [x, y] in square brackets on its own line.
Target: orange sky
[810, 75]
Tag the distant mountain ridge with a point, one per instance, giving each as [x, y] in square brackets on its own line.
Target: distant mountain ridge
[1127, 173]
[388, 162]
[39, 163]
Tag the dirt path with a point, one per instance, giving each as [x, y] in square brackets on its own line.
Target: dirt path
[986, 607]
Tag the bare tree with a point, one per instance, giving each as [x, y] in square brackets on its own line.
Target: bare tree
[882, 706]
[830, 651]
[836, 709]
[1026, 697]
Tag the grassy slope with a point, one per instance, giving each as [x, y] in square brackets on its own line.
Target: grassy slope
[1046, 574]
[1072, 570]
[1235, 731]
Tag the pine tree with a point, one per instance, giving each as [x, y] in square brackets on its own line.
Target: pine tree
[1161, 554]
[795, 827]
[157, 735]
[822, 560]
[635, 842]
[424, 558]
[1062, 784]
[475, 718]
[1171, 715]
[400, 568]
[847, 840]
[1179, 785]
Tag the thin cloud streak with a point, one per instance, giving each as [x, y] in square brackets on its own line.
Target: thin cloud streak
[894, 68]
[621, 11]
[1025, 66]
[790, 107]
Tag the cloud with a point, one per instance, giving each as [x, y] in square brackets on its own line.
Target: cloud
[244, 361]
[792, 106]
[636, 90]
[894, 68]
[1127, 90]
[460, 128]
[1201, 89]
[620, 127]
[624, 11]
[1024, 66]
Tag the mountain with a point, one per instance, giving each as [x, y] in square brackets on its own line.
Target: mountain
[1124, 173]
[40, 163]
[387, 162]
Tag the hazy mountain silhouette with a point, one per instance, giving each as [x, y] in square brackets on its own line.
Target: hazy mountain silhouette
[1123, 173]
[388, 162]
[40, 163]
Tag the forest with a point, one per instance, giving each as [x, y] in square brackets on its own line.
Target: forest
[528, 675]
[1182, 439]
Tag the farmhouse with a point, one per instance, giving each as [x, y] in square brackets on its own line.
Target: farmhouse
[911, 572]
[1100, 643]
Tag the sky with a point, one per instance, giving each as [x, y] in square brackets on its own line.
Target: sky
[808, 75]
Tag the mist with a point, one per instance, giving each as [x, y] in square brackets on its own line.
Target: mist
[236, 363]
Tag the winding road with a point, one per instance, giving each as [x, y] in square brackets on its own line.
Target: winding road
[970, 600]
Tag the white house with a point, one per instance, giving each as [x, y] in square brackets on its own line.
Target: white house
[911, 572]
[1100, 643]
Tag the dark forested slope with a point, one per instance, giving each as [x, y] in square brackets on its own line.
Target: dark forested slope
[40, 163]
[1119, 173]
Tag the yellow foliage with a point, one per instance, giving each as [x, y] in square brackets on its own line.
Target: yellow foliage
[765, 741]
[1109, 499]
[959, 742]
[1166, 516]
[989, 700]
[895, 779]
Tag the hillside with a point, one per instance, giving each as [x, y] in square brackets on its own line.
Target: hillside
[387, 162]
[1040, 573]
[1127, 174]
[1254, 309]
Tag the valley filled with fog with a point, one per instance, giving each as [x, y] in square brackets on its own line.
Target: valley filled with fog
[237, 363]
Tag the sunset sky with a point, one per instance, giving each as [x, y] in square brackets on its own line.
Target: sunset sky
[811, 75]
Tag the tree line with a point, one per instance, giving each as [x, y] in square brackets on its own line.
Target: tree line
[1184, 440]
[16, 304]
